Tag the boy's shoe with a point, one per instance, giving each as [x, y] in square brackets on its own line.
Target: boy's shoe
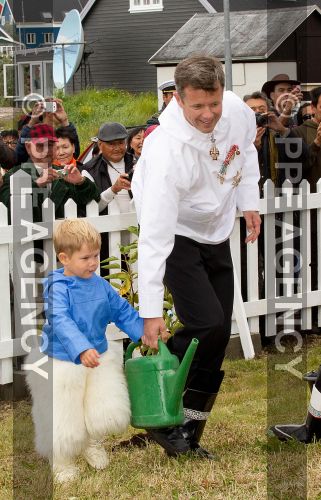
[65, 473]
[95, 455]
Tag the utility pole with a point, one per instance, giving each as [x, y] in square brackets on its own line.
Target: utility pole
[23, 23]
[227, 44]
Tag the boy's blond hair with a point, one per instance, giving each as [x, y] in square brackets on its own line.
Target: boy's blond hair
[71, 234]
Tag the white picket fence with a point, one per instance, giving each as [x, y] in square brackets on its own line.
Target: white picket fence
[17, 245]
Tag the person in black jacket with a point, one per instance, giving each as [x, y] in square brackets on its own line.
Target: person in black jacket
[109, 170]
[167, 89]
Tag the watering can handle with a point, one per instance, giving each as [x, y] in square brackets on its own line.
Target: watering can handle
[130, 350]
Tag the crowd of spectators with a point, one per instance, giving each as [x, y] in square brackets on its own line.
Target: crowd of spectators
[46, 146]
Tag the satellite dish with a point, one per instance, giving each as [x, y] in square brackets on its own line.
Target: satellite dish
[67, 56]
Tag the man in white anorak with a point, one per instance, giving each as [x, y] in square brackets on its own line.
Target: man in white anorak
[196, 169]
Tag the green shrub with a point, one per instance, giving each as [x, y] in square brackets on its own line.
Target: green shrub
[90, 108]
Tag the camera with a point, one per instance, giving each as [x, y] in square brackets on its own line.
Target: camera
[261, 119]
[130, 174]
[62, 173]
[50, 106]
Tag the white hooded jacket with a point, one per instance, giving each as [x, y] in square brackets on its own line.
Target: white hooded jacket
[177, 190]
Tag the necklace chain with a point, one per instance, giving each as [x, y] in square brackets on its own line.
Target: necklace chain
[112, 166]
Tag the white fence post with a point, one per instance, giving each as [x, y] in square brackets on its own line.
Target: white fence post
[241, 320]
[269, 250]
[319, 248]
[6, 370]
[253, 281]
[305, 250]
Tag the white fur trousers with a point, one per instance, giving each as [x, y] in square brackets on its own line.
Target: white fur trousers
[76, 403]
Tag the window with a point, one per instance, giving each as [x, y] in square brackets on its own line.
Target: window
[47, 16]
[6, 50]
[48, 37]
[145, 6]
[31, 38]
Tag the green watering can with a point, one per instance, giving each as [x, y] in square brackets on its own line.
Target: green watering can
[156, 384]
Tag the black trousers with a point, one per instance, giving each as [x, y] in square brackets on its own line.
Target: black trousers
[200, 278]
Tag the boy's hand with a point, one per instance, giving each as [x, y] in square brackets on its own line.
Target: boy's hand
[90, 358]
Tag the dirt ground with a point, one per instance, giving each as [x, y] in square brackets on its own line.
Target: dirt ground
[6, 114]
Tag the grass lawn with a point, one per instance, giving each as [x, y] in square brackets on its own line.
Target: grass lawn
[236, 431]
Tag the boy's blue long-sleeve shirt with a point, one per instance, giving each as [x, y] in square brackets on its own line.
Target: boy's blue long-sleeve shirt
[78, 311]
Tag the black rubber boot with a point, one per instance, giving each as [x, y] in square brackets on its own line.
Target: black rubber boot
[305, 433]
[311, 377]
[311, 429]
[171, 439]
[197, 408]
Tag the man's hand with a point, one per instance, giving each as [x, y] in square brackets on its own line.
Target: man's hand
[60, 115]
[286, 103]
[253, 222]
[121, 183]
[258, 139]
[48, 175]
[37, 112]
[153, 327]
[57, 119]
[297, 92]
[274, 123]
[90, 358]
[317, 140]
[73, 175]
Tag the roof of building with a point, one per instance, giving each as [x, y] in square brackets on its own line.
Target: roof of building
[262, 4]
[5, 37]
[43, 11]
[207, 4]
[204, 33]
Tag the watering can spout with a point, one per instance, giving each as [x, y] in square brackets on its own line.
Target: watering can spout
[179, 380]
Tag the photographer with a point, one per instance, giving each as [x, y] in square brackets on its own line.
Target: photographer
[48, 180]
[49, 112]
[272, 152]
[286, 96]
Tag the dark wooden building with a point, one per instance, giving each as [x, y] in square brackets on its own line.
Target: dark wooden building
[122, 35]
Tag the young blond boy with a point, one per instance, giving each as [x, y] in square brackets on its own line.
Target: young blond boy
[85, 395]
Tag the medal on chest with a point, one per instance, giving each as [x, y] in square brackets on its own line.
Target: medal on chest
[234, 151]
[214, 151]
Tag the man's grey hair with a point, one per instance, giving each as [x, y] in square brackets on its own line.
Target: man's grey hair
[258, 95]
[199, 72]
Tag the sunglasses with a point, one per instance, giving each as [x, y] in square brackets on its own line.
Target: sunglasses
[306, 117]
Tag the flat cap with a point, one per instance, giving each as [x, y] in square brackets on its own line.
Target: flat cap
[112, 131]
